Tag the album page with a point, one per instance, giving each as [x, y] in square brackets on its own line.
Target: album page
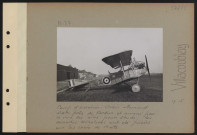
[108, 68]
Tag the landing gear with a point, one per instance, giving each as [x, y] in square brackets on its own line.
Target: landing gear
[135, 88]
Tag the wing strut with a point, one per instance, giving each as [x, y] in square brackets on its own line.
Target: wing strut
[122, 68]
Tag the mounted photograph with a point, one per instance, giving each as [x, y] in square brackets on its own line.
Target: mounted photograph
[109, 64]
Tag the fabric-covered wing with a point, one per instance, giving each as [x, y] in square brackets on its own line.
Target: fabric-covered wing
[124, 81]
[114, 60]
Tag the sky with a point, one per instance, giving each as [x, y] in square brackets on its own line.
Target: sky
[84, 48]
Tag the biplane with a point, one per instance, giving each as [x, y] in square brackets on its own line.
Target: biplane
[128, 69]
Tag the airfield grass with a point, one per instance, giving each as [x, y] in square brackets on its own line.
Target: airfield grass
[151, 91]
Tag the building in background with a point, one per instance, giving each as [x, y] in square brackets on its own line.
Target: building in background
[86, 75]
[66, 72]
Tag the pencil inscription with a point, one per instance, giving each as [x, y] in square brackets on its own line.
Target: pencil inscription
[179, 82]
[178, 8]
[63, 23]
[103, 117]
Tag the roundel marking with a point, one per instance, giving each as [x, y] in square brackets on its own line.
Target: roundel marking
[106, 80]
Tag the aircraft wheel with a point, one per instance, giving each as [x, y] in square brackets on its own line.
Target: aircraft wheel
[136, 88]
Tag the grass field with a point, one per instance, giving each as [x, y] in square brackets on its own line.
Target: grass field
[151, 91]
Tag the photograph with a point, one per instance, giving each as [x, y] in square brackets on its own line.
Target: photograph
[109, 64]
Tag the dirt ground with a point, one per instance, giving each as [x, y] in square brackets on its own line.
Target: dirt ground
[151, 91]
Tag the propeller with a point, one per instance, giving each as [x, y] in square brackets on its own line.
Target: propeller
[147, 67]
